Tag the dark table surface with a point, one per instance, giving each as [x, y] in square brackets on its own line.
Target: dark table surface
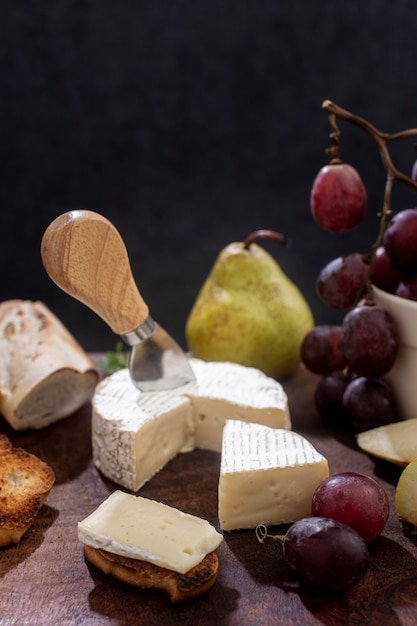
[45, 580]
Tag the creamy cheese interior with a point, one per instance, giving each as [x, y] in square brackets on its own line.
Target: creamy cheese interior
[135, 434]
[140, 528]
[267, 476]
[230, 391]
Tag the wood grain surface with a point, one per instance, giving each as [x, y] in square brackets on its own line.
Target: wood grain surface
[85, 256]
[45, 580]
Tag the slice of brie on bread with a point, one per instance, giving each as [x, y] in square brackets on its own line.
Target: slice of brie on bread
[267, 476]
[149, 544]
[135, 434]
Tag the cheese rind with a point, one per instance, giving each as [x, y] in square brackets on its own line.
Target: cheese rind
[135, 434]
[267, 476]
[144, 529]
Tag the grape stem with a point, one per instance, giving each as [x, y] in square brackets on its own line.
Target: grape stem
[261, 533]
[381, 139]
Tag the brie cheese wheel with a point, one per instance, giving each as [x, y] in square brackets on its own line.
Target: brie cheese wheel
[267, 476]
[231, 391]
[139, 528]
[135, 434]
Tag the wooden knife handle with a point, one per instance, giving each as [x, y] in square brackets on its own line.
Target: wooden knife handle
[85, 256]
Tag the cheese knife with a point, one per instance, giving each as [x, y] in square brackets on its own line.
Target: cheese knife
[85, 256]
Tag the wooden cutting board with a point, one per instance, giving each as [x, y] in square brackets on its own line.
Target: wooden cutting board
[44, 580]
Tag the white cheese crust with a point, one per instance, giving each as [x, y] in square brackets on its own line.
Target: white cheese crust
[267, 476]
[144, 529]
[135, 434]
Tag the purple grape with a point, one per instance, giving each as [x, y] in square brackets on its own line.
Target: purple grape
[383, 274]
[354, 499]
[400, 241]
[328, 398]
[414, 172]
[320, 351]
[407, 287]
[370, 402]
[338, 198]
[325, 552]
[340, 281]
[369, 341]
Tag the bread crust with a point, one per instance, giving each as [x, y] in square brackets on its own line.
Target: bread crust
[45, 375]
[25, 482]
[145, 575]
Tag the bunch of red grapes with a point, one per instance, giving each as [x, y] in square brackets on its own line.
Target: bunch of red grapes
[329, 548]
[354, 357]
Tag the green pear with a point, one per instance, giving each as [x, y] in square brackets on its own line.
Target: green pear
[249, 312]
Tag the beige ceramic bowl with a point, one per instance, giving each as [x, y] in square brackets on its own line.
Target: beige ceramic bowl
[403, 376]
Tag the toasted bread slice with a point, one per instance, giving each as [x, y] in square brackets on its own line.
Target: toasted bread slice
[5, 444]
[145, 575]
[25, 482]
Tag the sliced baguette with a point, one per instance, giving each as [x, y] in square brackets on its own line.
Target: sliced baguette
[145, 575]
[25, 482]
[45, 375]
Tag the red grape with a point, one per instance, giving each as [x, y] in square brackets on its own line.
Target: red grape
[320, 351]
[339, 281]
[369, 403]
[325, 552]
[328, 398]
[400, 241]
[354, 499]
[338, 198]
[407, 287]
[369, 341]
[383, 274]
[414, 172]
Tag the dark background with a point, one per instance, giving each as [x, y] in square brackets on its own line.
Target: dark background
[190, 124]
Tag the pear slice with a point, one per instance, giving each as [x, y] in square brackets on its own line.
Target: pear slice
[396, 442]
[406, 497]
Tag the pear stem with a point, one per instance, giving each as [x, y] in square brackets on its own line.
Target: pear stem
[266, 234]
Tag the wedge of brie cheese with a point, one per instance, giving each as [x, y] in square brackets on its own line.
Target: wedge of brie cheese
[267, 476]
[135, 434]
[144, 529]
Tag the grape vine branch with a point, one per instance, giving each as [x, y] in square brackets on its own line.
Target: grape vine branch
[381, 139]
